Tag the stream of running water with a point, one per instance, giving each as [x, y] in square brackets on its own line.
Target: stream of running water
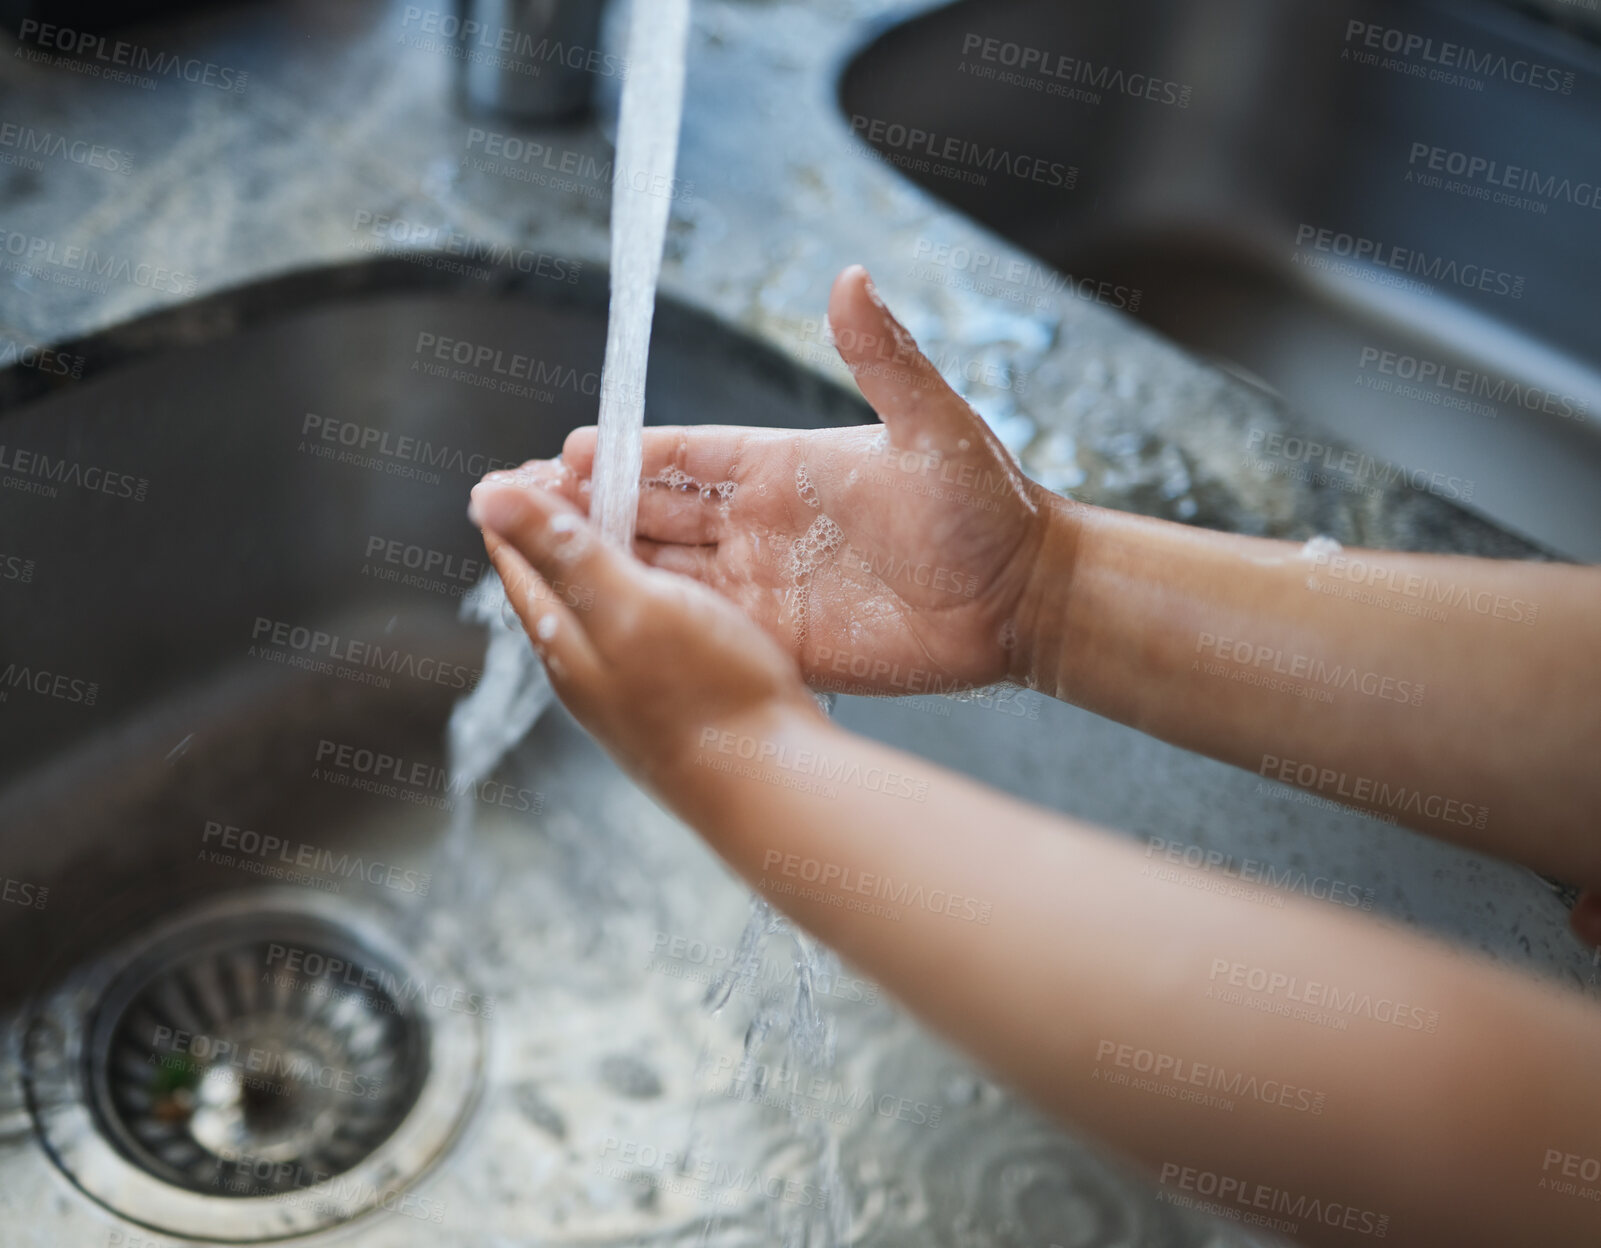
[514, 690]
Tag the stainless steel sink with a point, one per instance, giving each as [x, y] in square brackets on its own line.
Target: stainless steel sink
[1382, 212]
[237, 836]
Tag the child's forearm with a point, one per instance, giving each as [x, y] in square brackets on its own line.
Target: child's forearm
[1367, 1070]
[1463, 696]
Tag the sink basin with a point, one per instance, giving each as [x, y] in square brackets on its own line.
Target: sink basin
[222, 817]
[302, 474]
[1377, 211]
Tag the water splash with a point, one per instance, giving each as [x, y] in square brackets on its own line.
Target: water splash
[487, 724]
[1320, 547]
[806, 1039]
[1318, 552]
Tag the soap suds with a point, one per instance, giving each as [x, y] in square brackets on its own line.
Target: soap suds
[678, 479]
[806, 555]
[815, 545]
[806, 490]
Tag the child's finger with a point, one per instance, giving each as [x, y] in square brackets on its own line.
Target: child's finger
[698, 562]
[546, 474]
[552, 627]
[689, 517]
[689, 477]
[565, 549]
[706, 454]
[905, 389]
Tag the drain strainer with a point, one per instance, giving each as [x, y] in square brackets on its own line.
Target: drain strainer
[226, 1055]
[261, 1068]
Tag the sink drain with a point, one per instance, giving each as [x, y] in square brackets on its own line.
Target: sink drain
[219, 1057]
[261, 1068]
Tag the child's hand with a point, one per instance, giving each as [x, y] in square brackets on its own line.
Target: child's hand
[889, 559]
[644, 659]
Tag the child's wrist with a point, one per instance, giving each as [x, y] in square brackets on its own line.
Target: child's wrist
[720, 753]
[1041, 644]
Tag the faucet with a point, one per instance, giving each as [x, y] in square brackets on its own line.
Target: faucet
[531, 60]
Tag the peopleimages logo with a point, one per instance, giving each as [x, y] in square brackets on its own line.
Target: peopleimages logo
[508, 42]
[897, 358]
[509, 367]
[1002, 275]
[15, 568]
[330, 971]
[21, 893]
[876, 673]
[194, 1050]
[1165, 1068]
[1321, 996]
[58, 686]
[1364, 571]
[1065, 69]
[528, 160]
[245, 1173]
[1254, 871]
[317, 644]
[313, 858]
[46, 360]
[1369, 792]
[103, 54]
[911, 141]
[834, 878]
[39, 473]
[438, 241]
[1439, 58]
[1570, 1167]
[1261, 1204]
[811, 764]
[1254, 657]
[1503, 177]
[28, 142]
[1466, 381]
[389, 775]
[396, 455]
[924, 575]
[422, 566]
[86, 268]
[1366, 254]
[1352, 468]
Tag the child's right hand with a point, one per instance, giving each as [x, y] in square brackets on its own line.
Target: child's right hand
[894, 559]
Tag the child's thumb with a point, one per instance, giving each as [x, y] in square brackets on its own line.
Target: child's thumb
[904, 387]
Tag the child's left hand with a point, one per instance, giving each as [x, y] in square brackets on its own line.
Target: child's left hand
[644, 659]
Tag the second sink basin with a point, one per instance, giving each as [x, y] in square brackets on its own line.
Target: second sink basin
[1384, 213]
